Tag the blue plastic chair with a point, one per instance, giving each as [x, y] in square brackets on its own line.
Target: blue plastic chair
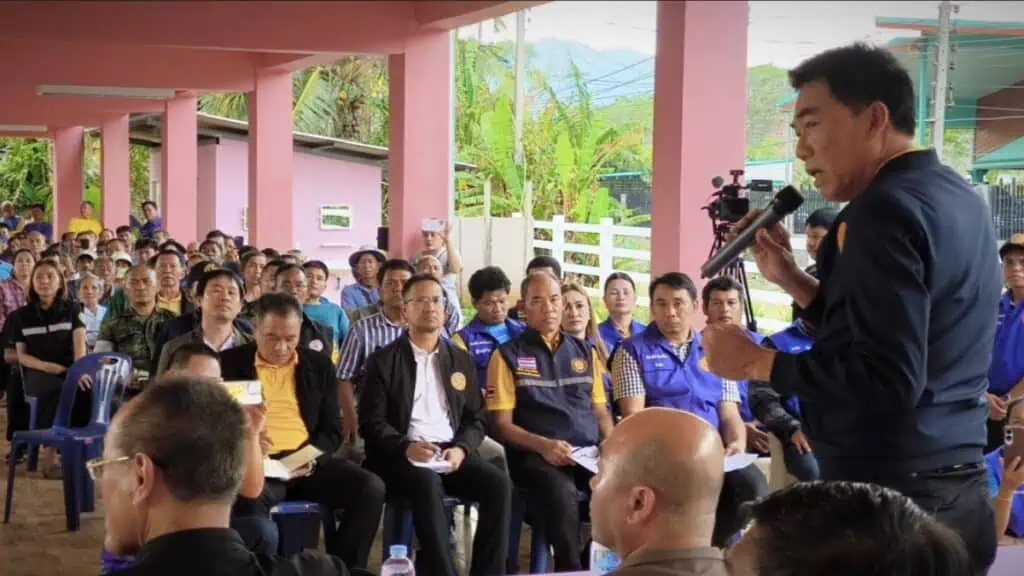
[524, 509]
[110, 371]
[398, 527]
[294, 521]
[33, 410]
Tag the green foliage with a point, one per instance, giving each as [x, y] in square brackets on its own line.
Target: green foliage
[25, 173]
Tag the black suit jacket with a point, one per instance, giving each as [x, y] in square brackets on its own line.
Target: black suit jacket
[385, 405]
[315, 389]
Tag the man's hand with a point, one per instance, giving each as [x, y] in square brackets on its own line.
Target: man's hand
[731, 354]
[85, 382]
[348, 430]
[264, 443]
[303, 471]
[758, 439]
[454, 456]
[257, 418]
[733, 448]
[996, 407]
[558, 453]
[772, 249]
[800, 441]
[421, 451]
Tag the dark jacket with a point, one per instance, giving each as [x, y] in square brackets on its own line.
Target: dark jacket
[219, 552]
[909, 275]
[385, 406]
[183, 325]
[315, 389]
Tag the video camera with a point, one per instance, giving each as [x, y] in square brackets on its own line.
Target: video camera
[728, 206]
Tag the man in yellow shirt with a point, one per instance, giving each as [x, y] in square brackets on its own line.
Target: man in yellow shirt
[301, 397]
[85, 222]
[546, 391]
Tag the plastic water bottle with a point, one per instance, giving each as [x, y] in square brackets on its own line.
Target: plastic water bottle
[398, 564]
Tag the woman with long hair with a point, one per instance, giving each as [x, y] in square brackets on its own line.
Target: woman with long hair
[49, 337]
[12, 297]
[580, 320]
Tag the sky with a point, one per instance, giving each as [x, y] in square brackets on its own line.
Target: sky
[780, 33]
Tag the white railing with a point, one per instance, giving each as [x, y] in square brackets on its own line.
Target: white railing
[607, 252]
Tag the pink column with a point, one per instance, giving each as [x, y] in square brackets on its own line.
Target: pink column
[179, 175]
[699, 124]
[67, 176]
[419, 134]
[114, 170]
[270, 162]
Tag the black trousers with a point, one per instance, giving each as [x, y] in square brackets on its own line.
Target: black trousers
[738, 487]
[554, 489]
[338, 485]
[958, 498]
[475, 480]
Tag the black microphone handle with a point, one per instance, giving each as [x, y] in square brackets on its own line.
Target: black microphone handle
[741, 242]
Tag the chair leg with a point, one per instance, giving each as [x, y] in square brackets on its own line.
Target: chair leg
[69, 478]
[539, 551]
[9, 500]
[87, 494]
[33, 450]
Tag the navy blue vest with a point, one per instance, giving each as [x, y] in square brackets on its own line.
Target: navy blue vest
[674, 382]
[481, 344]
[995, 469]
[792, 340]
[553, 390]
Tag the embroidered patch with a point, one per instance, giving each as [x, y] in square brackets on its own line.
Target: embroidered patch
[316, 346]
[459, 381]
[526, 363]
[578, 365]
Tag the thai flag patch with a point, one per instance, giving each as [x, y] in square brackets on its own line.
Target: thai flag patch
[526, 363]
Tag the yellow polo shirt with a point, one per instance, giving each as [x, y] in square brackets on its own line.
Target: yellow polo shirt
[172, 305]
[501, 383]
[285, 427]
[79, 224]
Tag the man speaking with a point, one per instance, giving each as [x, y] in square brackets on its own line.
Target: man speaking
[892, 390]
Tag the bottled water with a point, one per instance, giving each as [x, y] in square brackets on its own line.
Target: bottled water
[398, 564]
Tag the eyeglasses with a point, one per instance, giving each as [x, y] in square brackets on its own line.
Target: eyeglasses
[424, 300]
[95, 466]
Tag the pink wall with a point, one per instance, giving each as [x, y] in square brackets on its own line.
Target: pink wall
[206, 207]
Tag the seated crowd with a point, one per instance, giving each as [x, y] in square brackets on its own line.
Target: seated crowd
[407, 400]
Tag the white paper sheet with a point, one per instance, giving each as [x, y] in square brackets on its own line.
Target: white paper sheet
[435, 464]
[246, 392]
[274, 469]
[738, 461]
[587, 457]
[284, 468]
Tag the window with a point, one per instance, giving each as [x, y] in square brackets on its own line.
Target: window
[335, 217]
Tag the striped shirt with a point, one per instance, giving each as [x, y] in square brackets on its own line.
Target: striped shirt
[628, 383]
[364, 338]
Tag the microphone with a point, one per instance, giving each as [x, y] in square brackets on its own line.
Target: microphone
[783, 204]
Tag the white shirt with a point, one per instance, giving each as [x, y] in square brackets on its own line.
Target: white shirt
[92, 321]
[228, 344]
[429, 421]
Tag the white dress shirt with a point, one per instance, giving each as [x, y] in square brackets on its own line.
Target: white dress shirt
[429, 422]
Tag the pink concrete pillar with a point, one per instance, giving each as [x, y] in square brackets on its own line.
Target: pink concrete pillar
[179, 176]
[699, 124]
[270, 162]
[67, 176]
[419, 139]
[114, 166]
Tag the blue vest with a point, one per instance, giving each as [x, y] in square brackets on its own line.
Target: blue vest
[610, 334]
[481, 344]
[672, 381]
[1007, 365]
[995, 471]
[793, 340]
[744, 386]
[553, 389]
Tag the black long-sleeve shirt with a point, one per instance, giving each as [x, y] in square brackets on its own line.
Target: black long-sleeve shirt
[909, 276]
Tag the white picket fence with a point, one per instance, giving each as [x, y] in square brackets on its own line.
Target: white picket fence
[607, 252]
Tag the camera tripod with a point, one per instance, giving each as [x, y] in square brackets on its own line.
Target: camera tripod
[736, 271]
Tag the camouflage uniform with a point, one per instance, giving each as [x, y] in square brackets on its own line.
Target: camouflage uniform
[135, 336]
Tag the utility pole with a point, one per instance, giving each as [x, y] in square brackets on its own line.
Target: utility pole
[942, 68]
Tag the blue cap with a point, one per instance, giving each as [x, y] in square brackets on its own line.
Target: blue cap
[398, 551]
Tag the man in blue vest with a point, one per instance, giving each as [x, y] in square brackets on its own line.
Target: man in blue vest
[664, 366]
[491, 327]
[781, 414]
[1006, 372]
[722, 299]
[620, 300]
[546, 391]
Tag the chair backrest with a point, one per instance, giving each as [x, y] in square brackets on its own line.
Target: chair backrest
[109, 371]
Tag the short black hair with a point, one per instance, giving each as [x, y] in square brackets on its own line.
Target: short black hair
[209, 243]
[720, 284]
[173, 245]
[215, 234]
[848, 529]
[122, 229]
[276, 263]
[211, 275]
[319, 265]
[194, 431]
[149, 203]
[675, 281]
[278, 304]
[184, 354]
[822, 218]
[419, 279]
[169, 252]
[530, 278]
[859, 75]
[286, 267]
[394, 264]
[33, 296]
[144, 243]
[619, 276]
[545, 262]
[37, 205]
[271, 253]
[488, 279]
[246, 257]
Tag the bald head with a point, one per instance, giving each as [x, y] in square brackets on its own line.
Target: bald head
[659, 481]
